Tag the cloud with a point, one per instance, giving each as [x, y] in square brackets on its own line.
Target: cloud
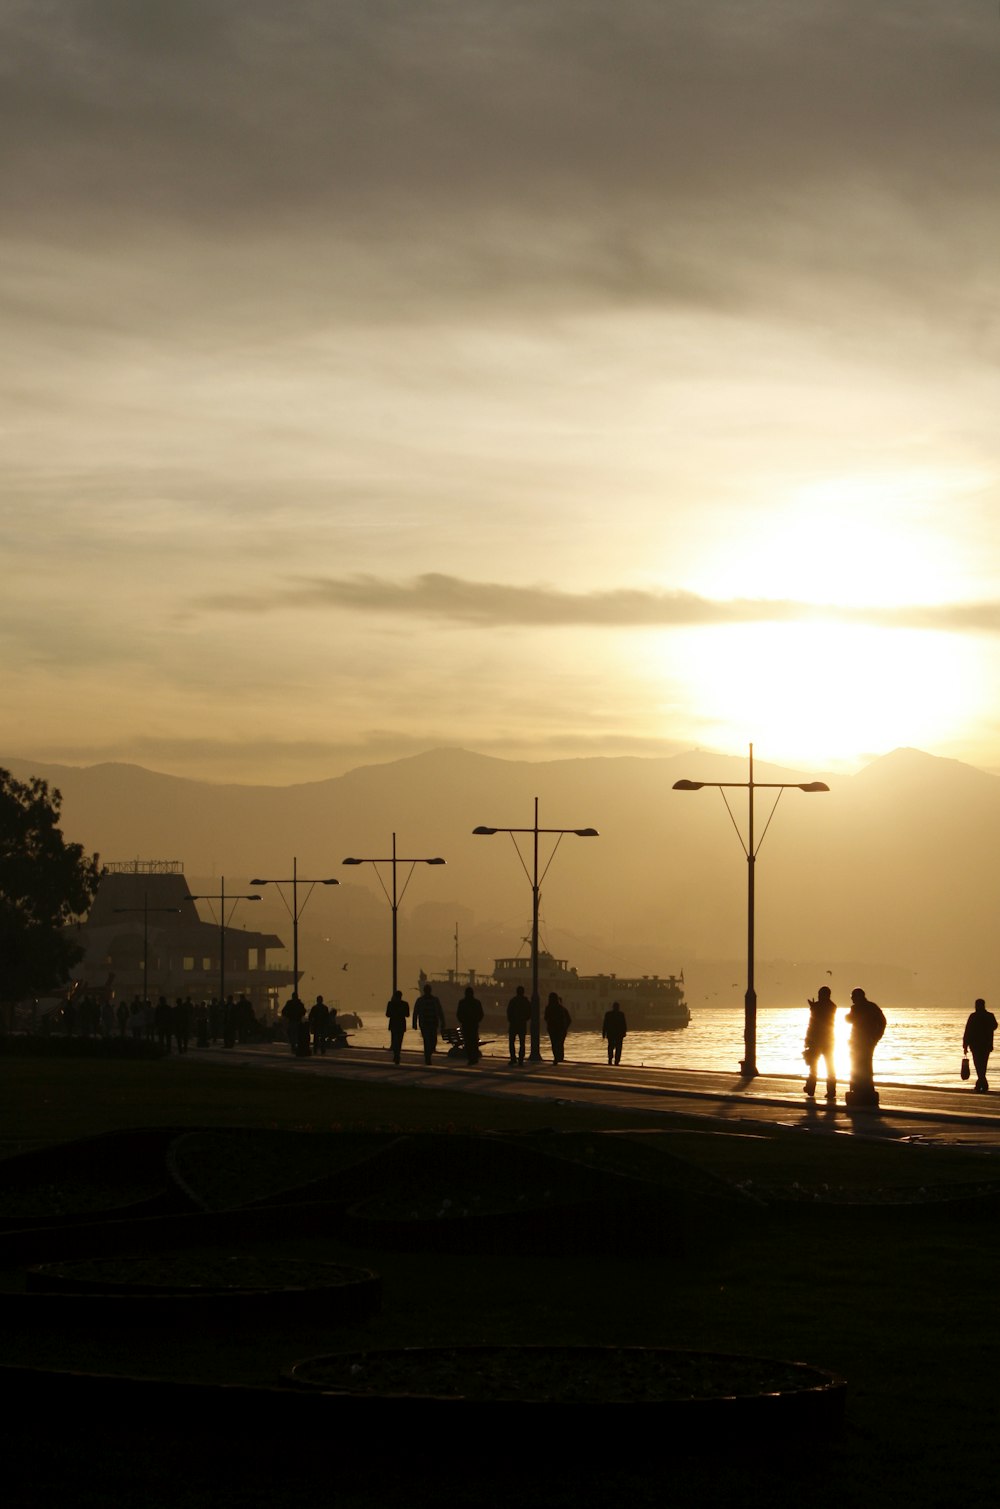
[497, 605]
[472, 150]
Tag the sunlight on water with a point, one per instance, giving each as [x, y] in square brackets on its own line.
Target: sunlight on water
[921, 1045]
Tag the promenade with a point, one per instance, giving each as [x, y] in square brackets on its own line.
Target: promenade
[908, 1113]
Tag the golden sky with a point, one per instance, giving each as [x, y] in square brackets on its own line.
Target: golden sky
[547, 377]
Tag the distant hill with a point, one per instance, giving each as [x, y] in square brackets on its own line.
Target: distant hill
[894, 866]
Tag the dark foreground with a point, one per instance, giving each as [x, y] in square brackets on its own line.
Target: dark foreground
[858, 1262]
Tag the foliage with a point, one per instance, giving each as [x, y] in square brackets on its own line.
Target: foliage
[44, 883]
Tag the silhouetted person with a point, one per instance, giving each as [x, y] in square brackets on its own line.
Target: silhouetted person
[978, 1040]
[470, 1014]
[319, 1021]
[557, 1020]
[201, 1025]
[518, 1017]
[162, 1022]
[613, 1031]
[122, 1015]
[819, 1042]
[229, 1016]
[397, 1010]
[136, 1018]
[867, 1026]
[428, 1016]
[335, 1034]
[183, 1012]
[293, 1014]
[246, 1021]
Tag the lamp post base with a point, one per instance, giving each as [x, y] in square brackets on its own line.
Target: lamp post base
[862, 1098]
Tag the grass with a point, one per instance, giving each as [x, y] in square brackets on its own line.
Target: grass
[54, 1100]
[900, 1303]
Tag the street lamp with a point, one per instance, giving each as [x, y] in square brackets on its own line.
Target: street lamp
[749, 1063]
[394, 900]
[295, 911]
[535, 880]
[222, 898]
[146, 909]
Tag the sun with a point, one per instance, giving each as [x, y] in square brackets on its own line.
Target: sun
[821, 691]
[818, 678]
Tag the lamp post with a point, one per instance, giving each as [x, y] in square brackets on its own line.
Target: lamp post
[749, 1063]
[146, 909]
[395, 898]
[295, 911]
[535, 880]
[222, 898]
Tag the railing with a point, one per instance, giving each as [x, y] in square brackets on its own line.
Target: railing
[144, 867]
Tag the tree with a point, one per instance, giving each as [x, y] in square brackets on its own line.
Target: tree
[44, 883]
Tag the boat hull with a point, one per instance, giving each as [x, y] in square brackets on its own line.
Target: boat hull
[650, 1003]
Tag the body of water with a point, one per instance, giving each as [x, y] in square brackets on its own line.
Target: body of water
[922, 1045]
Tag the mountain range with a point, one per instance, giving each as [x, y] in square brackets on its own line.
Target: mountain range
[890, 872]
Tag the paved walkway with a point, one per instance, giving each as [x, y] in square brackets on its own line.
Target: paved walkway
[908, 1113]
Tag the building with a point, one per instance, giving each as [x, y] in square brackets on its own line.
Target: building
[144, 937]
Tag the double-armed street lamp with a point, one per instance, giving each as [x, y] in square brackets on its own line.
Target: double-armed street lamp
[751, 850]
[535, 881]
[295, 911]
[396, 896]
[145, 911]
[221, 897]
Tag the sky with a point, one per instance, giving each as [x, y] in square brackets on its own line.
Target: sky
[546, 377]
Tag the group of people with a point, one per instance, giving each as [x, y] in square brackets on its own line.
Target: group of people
[169, 1024]
[428, 1020]
[867, 1022]
[312, 1030]
[867, 1027]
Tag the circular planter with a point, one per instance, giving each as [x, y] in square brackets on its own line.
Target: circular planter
[232, 1168]
[111, 1177]
[80, 1203]
[204, 1288]
[468, 1224]
[572, 1389]
[470, 1194]
[885, 1203]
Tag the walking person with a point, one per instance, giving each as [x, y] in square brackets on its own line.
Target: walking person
[557, 1022]
[819, 1042]
[518, 1017]
[867, 1026]
[613, 1031]
[246, 1021]
[428, 1016]
[470, 1014]
[978, 1040]
[319, 1021]
[292, 1014]
[397, 1010]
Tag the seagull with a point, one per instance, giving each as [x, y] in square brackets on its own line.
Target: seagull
[343, 966]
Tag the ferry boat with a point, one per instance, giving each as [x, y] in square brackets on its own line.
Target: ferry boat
[651, 1003]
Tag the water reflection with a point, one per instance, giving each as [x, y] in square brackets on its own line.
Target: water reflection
[921, 1045]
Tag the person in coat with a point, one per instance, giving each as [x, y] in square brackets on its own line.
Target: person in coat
[978, 1040]
[613, 1031]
